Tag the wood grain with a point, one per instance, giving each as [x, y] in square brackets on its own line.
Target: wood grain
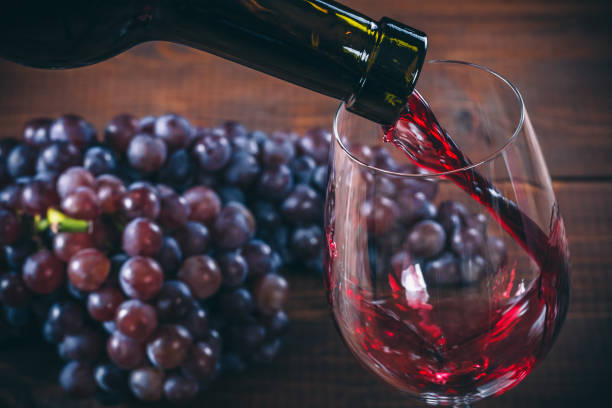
[559, 55]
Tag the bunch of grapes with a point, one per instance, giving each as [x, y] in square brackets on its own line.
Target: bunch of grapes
[153, 258]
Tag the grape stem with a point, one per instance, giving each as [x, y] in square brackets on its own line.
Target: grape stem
[60, 222]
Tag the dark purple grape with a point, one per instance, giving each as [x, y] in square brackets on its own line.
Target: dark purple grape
[123, 351]
[174, 302]
[169, 346]
[15, 255]
[146, 124]
[77, 379]
[65, 317]
[141, 278]
[426, 239]
[427, 186]
[204, 204]
[320, 178]
[302, 206]
[473, 269]
[381, 214]
[246, 338]
[174, 130]
[275, 182]
[169, 256]
[451, 213]
[10, 197]
[277, 324]
[258, 256]
[140, 201]
[271, 293]
[88, 269]
[234, 268]
[201, 362]
[237, 304]
[307, 242]
[267, 351]
[228, 194]
[142, 237]
[73, 178]
[10, 227]
[99, 160]
[414, 206]
[43, 272]
[245, 144]
[477, 221]
[466, 242]
[13, 292]
[174, 211]
[109, 190]
[303, 168]
[73, 129]
[82, 203]
[178, 168]
[211, 150]
[103, 303]
[315, 143]
[234, 226]
[192, 238]
[120, 131]
[147, 383]
[146, 153]
[21, 161]
[37, 196]
[180, 390]
[233, 129]
[136, 320]
[266, 214]
[83, 346]
[57, 157]
[496, 253]
[443, 271]
[197, 323]
[111, 378]
[36, 131]
[242, 169]
[202, 275]
[277, 149]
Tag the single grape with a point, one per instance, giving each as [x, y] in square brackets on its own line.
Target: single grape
[179, 389]
[135, 319]
[174, 302]
[123, 351]
[202, 275]
[65, 317]
[57, 157]
[77, 379]
[307, 242]
[466, 242]
[315, 143]
[427, 186]
[21, 161]
[73, 129]
[450, 213]
[36, 131]
[37, 196]
[204, 204]
[73, 178]
[320, 178]
[174, 211]
[15, 255]
[303, 168]
[443, 270]
[169, 346]
[271, 293]
[277, 324]
[141, 278]
[10, 197]
[178, 168]
[120, 131]
[275, 182]
[277, 149]
[67, 244]
[192, 238]
[10, 227]
[142, 237]
[236, 304]
[146, 124]
[109, 190]
[302, 205]
[258, 256]
[147, 383]
[197, 323]
[88, 269]
[266, 214]
[233, 129]
[81, 203]
[146, 153]
[414, 206]
[234, 226]
[140, 201]
[110, 378]
[381, 214]
[13, 292]
[234, 268]
[242, 169]
[103, 303]
[174, 130]
[201, 362]
[426, 239]
[169, 256]
[245, 144]
[43, 272]
[211, 150]
[99, 160]
[83, 346]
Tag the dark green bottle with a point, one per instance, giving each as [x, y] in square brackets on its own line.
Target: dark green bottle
[320, 45]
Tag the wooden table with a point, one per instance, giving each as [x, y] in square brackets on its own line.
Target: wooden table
[559, 55]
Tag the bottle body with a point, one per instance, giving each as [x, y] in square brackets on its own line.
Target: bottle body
[320, 45]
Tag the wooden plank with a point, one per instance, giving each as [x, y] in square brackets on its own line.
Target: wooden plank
[316, 370]
[557, 53]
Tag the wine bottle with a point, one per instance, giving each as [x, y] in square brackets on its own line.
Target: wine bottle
[320, 45]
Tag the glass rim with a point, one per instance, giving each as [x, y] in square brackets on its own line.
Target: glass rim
[479, 163]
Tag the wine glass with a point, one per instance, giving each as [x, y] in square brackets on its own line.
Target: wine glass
[442, 298]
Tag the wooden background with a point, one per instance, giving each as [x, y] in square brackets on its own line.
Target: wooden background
[557, 52]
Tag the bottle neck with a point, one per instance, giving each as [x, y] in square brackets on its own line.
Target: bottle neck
[319, 45]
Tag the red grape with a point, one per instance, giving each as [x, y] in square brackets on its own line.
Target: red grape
[202, 274]
[120, 131]
[174, 301]
[204, 204]
[140, 201]
[174, 130]
[88, 269]
[192, 238]
[169, 346]
[66, 244]
[142, 237]
[10, 228]
[179, 389]
[124, 352]
[136, 319]
[147, 383]
[174, 211]
[72, 128]
[141, 278]
[73, 178]
[43, 272]
[201, 362]
[81, 203]
[13, 291]
[146, 153]
[109, 190]
[77, 379]
[271, 292]
[102, 304]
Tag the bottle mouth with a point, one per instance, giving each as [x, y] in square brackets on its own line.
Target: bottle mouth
[343, 113]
